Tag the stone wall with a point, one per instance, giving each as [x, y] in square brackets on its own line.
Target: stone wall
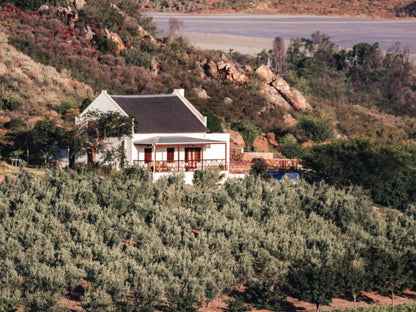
[250, 156]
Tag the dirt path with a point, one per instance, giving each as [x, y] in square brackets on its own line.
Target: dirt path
[367, 299]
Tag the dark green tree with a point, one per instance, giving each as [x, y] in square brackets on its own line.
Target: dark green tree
[313, 281]
[353, 277]
[96, 128]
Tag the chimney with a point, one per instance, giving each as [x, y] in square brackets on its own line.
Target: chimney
[180, 92]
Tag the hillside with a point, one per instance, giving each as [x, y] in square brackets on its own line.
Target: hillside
[357, 8]
[32, 91]
[288, 98]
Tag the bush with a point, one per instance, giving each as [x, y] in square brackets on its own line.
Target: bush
[291, 147]
[10, 104]
[248, 131]
[214, 123]
[315, 129]
[105, 45]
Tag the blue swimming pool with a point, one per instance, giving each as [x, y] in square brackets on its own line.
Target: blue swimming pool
[290, 175]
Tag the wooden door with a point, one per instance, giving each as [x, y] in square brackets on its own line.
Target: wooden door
[192, 157]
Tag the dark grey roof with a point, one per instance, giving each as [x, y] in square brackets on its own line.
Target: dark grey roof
[159, 113]
[171, 140]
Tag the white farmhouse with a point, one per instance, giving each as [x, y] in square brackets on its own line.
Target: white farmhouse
[170, 135]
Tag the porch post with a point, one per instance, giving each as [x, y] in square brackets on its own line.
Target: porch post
[154, 158]
[179, 153]
[202, 156]
[226, 162]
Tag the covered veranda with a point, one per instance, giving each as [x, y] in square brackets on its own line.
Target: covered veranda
[180, 154]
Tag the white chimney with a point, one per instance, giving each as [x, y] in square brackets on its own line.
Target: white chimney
[180, 92]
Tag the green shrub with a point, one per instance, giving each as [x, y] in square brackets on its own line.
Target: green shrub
[105, 45]
[315, 129]
[291, 147]
[248, 131]
[214, 123]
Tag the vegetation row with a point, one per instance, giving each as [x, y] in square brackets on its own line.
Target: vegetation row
[125, 243]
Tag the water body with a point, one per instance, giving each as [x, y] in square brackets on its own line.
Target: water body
[344, 31]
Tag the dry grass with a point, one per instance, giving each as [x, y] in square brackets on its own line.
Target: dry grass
[36, 86]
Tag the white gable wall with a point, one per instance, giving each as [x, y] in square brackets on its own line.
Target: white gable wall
[104, 103]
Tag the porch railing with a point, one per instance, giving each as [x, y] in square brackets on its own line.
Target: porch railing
[181, 165]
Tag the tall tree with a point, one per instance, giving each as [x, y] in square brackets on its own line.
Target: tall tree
[280, 61]
[97, 127]
[313, 280]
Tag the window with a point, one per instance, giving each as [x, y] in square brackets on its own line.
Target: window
[170, 154]
[147, 155]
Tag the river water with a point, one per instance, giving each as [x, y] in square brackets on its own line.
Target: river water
[344, 31]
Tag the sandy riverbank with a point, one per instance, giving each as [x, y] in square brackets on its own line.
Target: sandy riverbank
[242, 44]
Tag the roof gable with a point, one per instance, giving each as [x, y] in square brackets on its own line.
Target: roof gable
[160, 113]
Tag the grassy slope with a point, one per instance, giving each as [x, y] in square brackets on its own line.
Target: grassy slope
[38, 87]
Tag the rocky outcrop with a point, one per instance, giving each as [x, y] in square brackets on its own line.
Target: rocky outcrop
[116, 38]
[261, 144]
[275, 89]
[226, 70]
[88, 33]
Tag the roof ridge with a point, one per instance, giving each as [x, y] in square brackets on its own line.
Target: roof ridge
[143, 95]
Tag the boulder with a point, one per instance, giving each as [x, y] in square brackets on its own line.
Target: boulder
[291, 95]
[236, 140]
[265, 74]
[271, 137]
[261, 144]
[275, 98]
[44, 9]
[289, 121]
[221, 65]
[79, 4]
[227, 101]
[241, 79]
[281, 85]
[201, 93]
[89, 34]
[299, 102]
[211, 69]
